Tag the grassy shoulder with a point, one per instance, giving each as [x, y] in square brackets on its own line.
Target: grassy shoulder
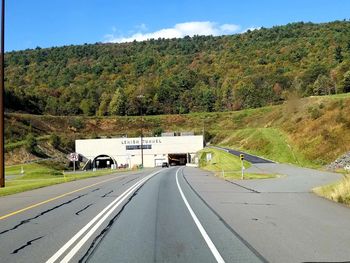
[338, 191]
[226, 165]
[271, 143]
[37, 175]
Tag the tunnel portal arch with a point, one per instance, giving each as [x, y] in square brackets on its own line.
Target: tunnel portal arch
[103, 161]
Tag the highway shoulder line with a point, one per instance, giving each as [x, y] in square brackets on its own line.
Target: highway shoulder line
[201, 229]
[94, 224]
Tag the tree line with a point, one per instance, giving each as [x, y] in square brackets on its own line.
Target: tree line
[191, 74]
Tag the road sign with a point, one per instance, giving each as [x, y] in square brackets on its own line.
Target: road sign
[73, 157]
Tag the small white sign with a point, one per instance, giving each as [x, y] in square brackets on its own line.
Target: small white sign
[73, 157]
[209, 157]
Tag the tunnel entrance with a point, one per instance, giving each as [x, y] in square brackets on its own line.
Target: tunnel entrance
[103, 161]
[177, 159]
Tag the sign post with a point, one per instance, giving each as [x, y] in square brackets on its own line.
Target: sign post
[73, 157]
[241, 156]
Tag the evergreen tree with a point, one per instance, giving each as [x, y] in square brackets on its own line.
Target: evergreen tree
[117, 104]
[104, 104]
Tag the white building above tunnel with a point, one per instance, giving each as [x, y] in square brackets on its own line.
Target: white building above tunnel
[126, 152]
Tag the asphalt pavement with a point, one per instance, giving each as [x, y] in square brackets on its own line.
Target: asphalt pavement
[149, 216]
[177, 214]
[281, 218]
[35, 224]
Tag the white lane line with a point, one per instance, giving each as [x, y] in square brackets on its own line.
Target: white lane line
[201, 229]
[118, 200]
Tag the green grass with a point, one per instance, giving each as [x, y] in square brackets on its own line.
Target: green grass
[226, 165]
[270, 143]
[34, 170]
[37, 175]
[238, 175]
[338, 192]
[221, 160]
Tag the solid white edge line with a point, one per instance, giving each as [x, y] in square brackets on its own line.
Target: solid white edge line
[79, 245]
[201, 229]
[88, 225]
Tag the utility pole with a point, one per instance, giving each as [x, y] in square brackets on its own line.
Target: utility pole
[2, 93]
[141, 113]
[141, 141]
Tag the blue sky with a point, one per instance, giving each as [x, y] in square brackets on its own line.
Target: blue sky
[46, 23]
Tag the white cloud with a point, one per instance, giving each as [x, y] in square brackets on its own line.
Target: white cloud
[178, 31]
[251, 29]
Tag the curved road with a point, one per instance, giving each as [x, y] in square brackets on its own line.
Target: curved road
[248, 157]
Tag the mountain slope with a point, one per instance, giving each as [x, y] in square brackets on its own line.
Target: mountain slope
[202, 73]
[309, 132]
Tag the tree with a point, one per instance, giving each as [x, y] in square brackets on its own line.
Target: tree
[345, 83]
[117, 104]
[323, 85]
[227, 94]
[338, 54]
[248, 94]
[87, 107]
[157, 131]
[207, 99]
[104, 104]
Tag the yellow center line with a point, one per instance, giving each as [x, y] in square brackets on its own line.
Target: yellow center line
[53, 199]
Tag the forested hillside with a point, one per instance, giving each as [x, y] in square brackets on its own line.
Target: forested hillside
[202, 73]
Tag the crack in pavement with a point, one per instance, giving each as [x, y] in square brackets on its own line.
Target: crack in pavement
[97, 240]
[41, 214]
[249, 189]
[27, 244]
[95, 190]
[130, 180]
[105, 195]
[246, 203]
[81, 210]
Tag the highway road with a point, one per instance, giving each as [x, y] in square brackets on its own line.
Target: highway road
[177, 214]
[149, 216]
[248, 157]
